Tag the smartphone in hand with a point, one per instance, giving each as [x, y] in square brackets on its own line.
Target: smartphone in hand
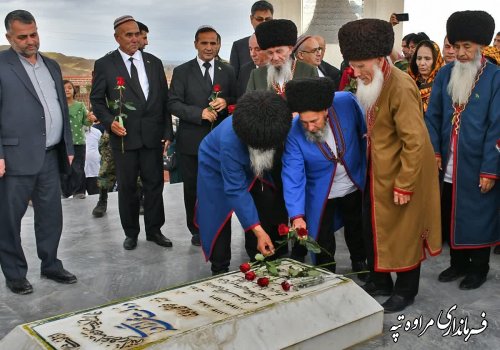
[402, 17]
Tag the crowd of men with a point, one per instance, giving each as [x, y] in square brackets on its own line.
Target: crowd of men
[370, 162]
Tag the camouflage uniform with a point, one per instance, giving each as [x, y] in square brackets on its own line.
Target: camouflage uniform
[107, 171]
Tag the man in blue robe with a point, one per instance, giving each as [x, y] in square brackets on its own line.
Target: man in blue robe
[234, 175]
[463, 119]
[324, 166]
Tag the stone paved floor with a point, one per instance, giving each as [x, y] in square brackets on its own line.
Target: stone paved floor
[92, 249]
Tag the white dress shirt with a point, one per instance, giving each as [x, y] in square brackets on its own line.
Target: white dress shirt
[141, 70]
[210, 70]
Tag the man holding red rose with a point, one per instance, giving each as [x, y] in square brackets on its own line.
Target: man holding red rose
[200, 91]
[138, 142]
[235, 175]
[324, 167]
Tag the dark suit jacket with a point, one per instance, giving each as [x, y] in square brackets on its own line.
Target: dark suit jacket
[150, 122]
[331, 72]
[258, 77]
[189, 95]
[240, 54]
[22, 120]
[243, 77]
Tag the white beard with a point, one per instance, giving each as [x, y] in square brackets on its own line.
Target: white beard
[281, 74]
[261, 160]
[462, 79]
[318, 136]
[368, 94]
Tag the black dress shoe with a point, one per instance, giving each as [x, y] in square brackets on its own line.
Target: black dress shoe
[195, 240]
[20, 286]
[61, 276]
[358, 266]
[396, 303]
[450, 274]
[374, 290]
[472, 281]
[160, 239]
[130, 243]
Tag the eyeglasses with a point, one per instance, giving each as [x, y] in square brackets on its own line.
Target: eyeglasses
[314, 51]
[262, 19]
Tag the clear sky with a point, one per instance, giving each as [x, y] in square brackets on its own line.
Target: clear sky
[85, 27]
[430, 16]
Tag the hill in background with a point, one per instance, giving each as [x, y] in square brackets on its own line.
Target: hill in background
[70, 65]
[79, 66]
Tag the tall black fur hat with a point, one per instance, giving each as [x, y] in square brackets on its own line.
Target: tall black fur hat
[276, 32]
[366, 38]
[475, 26]
[262, 119]
[310, 94]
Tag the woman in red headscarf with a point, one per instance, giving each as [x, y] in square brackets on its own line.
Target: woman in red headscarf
[424, 65]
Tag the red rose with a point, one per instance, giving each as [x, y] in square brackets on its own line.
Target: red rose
[498, 143]
[263, 281]
[120, 81]
[286, 286]
[245, 267]
[283, 230]
[231, 108]
[250, 275]
[302, 232]
[349, 71]
[216, 88]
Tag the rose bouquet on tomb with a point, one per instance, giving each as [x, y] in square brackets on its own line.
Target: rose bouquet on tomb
[264, 271]
[120, 105]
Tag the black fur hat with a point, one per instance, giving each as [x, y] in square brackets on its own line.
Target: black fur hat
[262, 119]
[366, 38]
[276, 32]
[475, 26]
[310, 94]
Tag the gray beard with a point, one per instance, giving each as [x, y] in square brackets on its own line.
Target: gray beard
[368, 94]
[463, 76]
[318, 136]
[283, 73]
[261, 160]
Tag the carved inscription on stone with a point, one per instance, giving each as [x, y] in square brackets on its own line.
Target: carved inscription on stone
[162, 316]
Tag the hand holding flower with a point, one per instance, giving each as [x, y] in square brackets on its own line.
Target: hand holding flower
[218, 104]
[299, 223]
[209, 114]
[118, 129]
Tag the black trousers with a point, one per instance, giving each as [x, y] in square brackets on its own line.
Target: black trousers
[407, 282]
[464, 260]
[189, 173]
[74, 182]
[148, 163]
[44, 189]
[272, 212]
[350, 209]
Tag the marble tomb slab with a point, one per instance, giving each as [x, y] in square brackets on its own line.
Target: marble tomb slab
[222, 312]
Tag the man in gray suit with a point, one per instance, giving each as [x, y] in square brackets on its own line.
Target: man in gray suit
[35, 146]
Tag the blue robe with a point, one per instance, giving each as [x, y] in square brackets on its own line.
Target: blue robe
[308, 175]
[475, 218]
[225, 178]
